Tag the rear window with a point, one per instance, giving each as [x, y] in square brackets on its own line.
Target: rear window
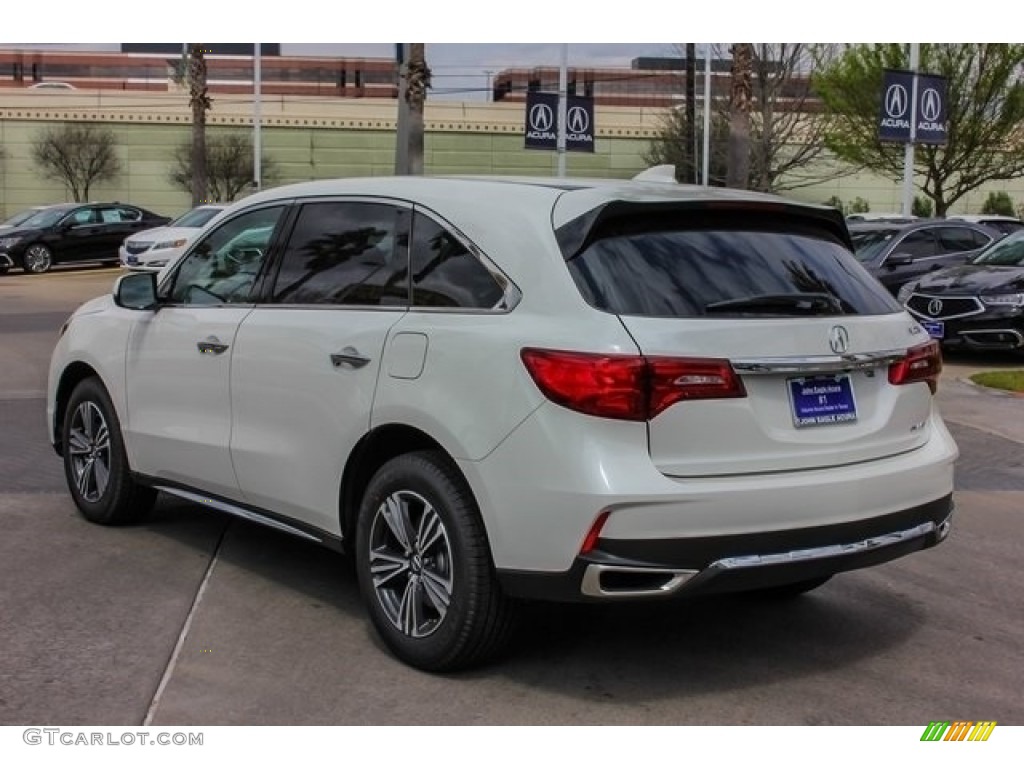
[717, 269]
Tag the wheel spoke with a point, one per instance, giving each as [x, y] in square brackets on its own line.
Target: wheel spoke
[82, 477]
[429, 531]
[396, 515]
[438, 590]
[77, 442]
[102, 440]
[409, 609]
[385, 566]
[84, 417]
[101, 475]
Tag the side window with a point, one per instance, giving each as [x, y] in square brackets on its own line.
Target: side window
[917, 244]
[956, 239]
[345, 253]
[981, 240]
[128, 214]
[82, 216]
[223, 267]
[110, 216]
[445, 273]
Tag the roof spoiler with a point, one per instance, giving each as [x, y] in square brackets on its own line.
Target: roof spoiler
[665, 174]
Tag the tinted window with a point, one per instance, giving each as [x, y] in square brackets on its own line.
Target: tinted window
[956, 239]
[1008, 252]
[344, 253]
[445, 273]
[681, 273]
[868, 245]
[223, 267]
[917, 244]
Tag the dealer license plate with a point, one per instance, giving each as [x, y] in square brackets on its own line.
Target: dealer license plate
[819, 400]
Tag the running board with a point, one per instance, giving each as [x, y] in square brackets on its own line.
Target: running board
[245, 514]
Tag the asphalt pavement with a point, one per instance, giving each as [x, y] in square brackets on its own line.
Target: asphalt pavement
[193, 618]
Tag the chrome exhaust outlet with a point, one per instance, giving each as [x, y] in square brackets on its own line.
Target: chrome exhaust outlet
[611, 581]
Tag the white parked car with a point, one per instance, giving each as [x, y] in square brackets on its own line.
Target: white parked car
[152, 249]
[495, 389]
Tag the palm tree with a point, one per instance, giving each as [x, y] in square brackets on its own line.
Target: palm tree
[739, 115]
[200, 103]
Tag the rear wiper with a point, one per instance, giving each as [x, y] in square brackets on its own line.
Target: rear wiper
[781, 303]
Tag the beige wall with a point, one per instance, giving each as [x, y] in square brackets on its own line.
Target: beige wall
[310, 138]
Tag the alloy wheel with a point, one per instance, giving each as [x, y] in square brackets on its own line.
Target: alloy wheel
[89, 448]
[37, 259]
[411, 563]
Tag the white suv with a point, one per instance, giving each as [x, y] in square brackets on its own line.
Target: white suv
[496, 389]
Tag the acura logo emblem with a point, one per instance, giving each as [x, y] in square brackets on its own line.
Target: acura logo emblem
[578, 120]
[931, 105]
[896, 101]
[541, 117]
[934, 307]
[839, 339]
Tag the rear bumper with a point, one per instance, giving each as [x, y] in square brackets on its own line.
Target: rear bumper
[643, 569]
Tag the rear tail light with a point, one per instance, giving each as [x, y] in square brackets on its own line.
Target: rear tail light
[630, 387]
[922, 363]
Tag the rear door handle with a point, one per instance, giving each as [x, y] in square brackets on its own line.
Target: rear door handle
[349, 356]
[211, 345]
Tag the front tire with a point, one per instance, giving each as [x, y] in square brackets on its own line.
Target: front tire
[424, 566]
[95, 463]
[37, 259]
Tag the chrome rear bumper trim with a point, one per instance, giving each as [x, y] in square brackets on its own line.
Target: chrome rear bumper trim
[673, 580]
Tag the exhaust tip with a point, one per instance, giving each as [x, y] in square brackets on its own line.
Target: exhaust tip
[611, 581]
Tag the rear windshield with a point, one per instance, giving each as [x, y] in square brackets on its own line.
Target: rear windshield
[649, 269]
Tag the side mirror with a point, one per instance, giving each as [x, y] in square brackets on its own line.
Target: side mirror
[899, 260]
[136, 291]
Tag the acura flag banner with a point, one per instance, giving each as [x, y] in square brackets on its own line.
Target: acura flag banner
[898, 111]
[542, 122]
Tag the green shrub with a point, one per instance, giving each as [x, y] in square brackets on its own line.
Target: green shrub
[859, 205]
[998, 203]
[835, 202]
[921, 207]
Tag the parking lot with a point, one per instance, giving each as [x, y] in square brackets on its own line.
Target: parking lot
[195, 618]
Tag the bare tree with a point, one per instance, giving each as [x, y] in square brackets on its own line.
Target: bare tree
[739, 115]
[787, 126]
[77, 155]
[228, 163]
[200, 103]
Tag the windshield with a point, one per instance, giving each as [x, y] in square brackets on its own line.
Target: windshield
[867, 245]
[196, 218]
[20, 217]
[1008, 252]
[44, 218]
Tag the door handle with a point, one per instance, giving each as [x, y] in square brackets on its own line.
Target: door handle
[349, 356]
[211, 346]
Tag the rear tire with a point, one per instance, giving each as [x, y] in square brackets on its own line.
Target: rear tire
[95, 463]
[424, 566]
